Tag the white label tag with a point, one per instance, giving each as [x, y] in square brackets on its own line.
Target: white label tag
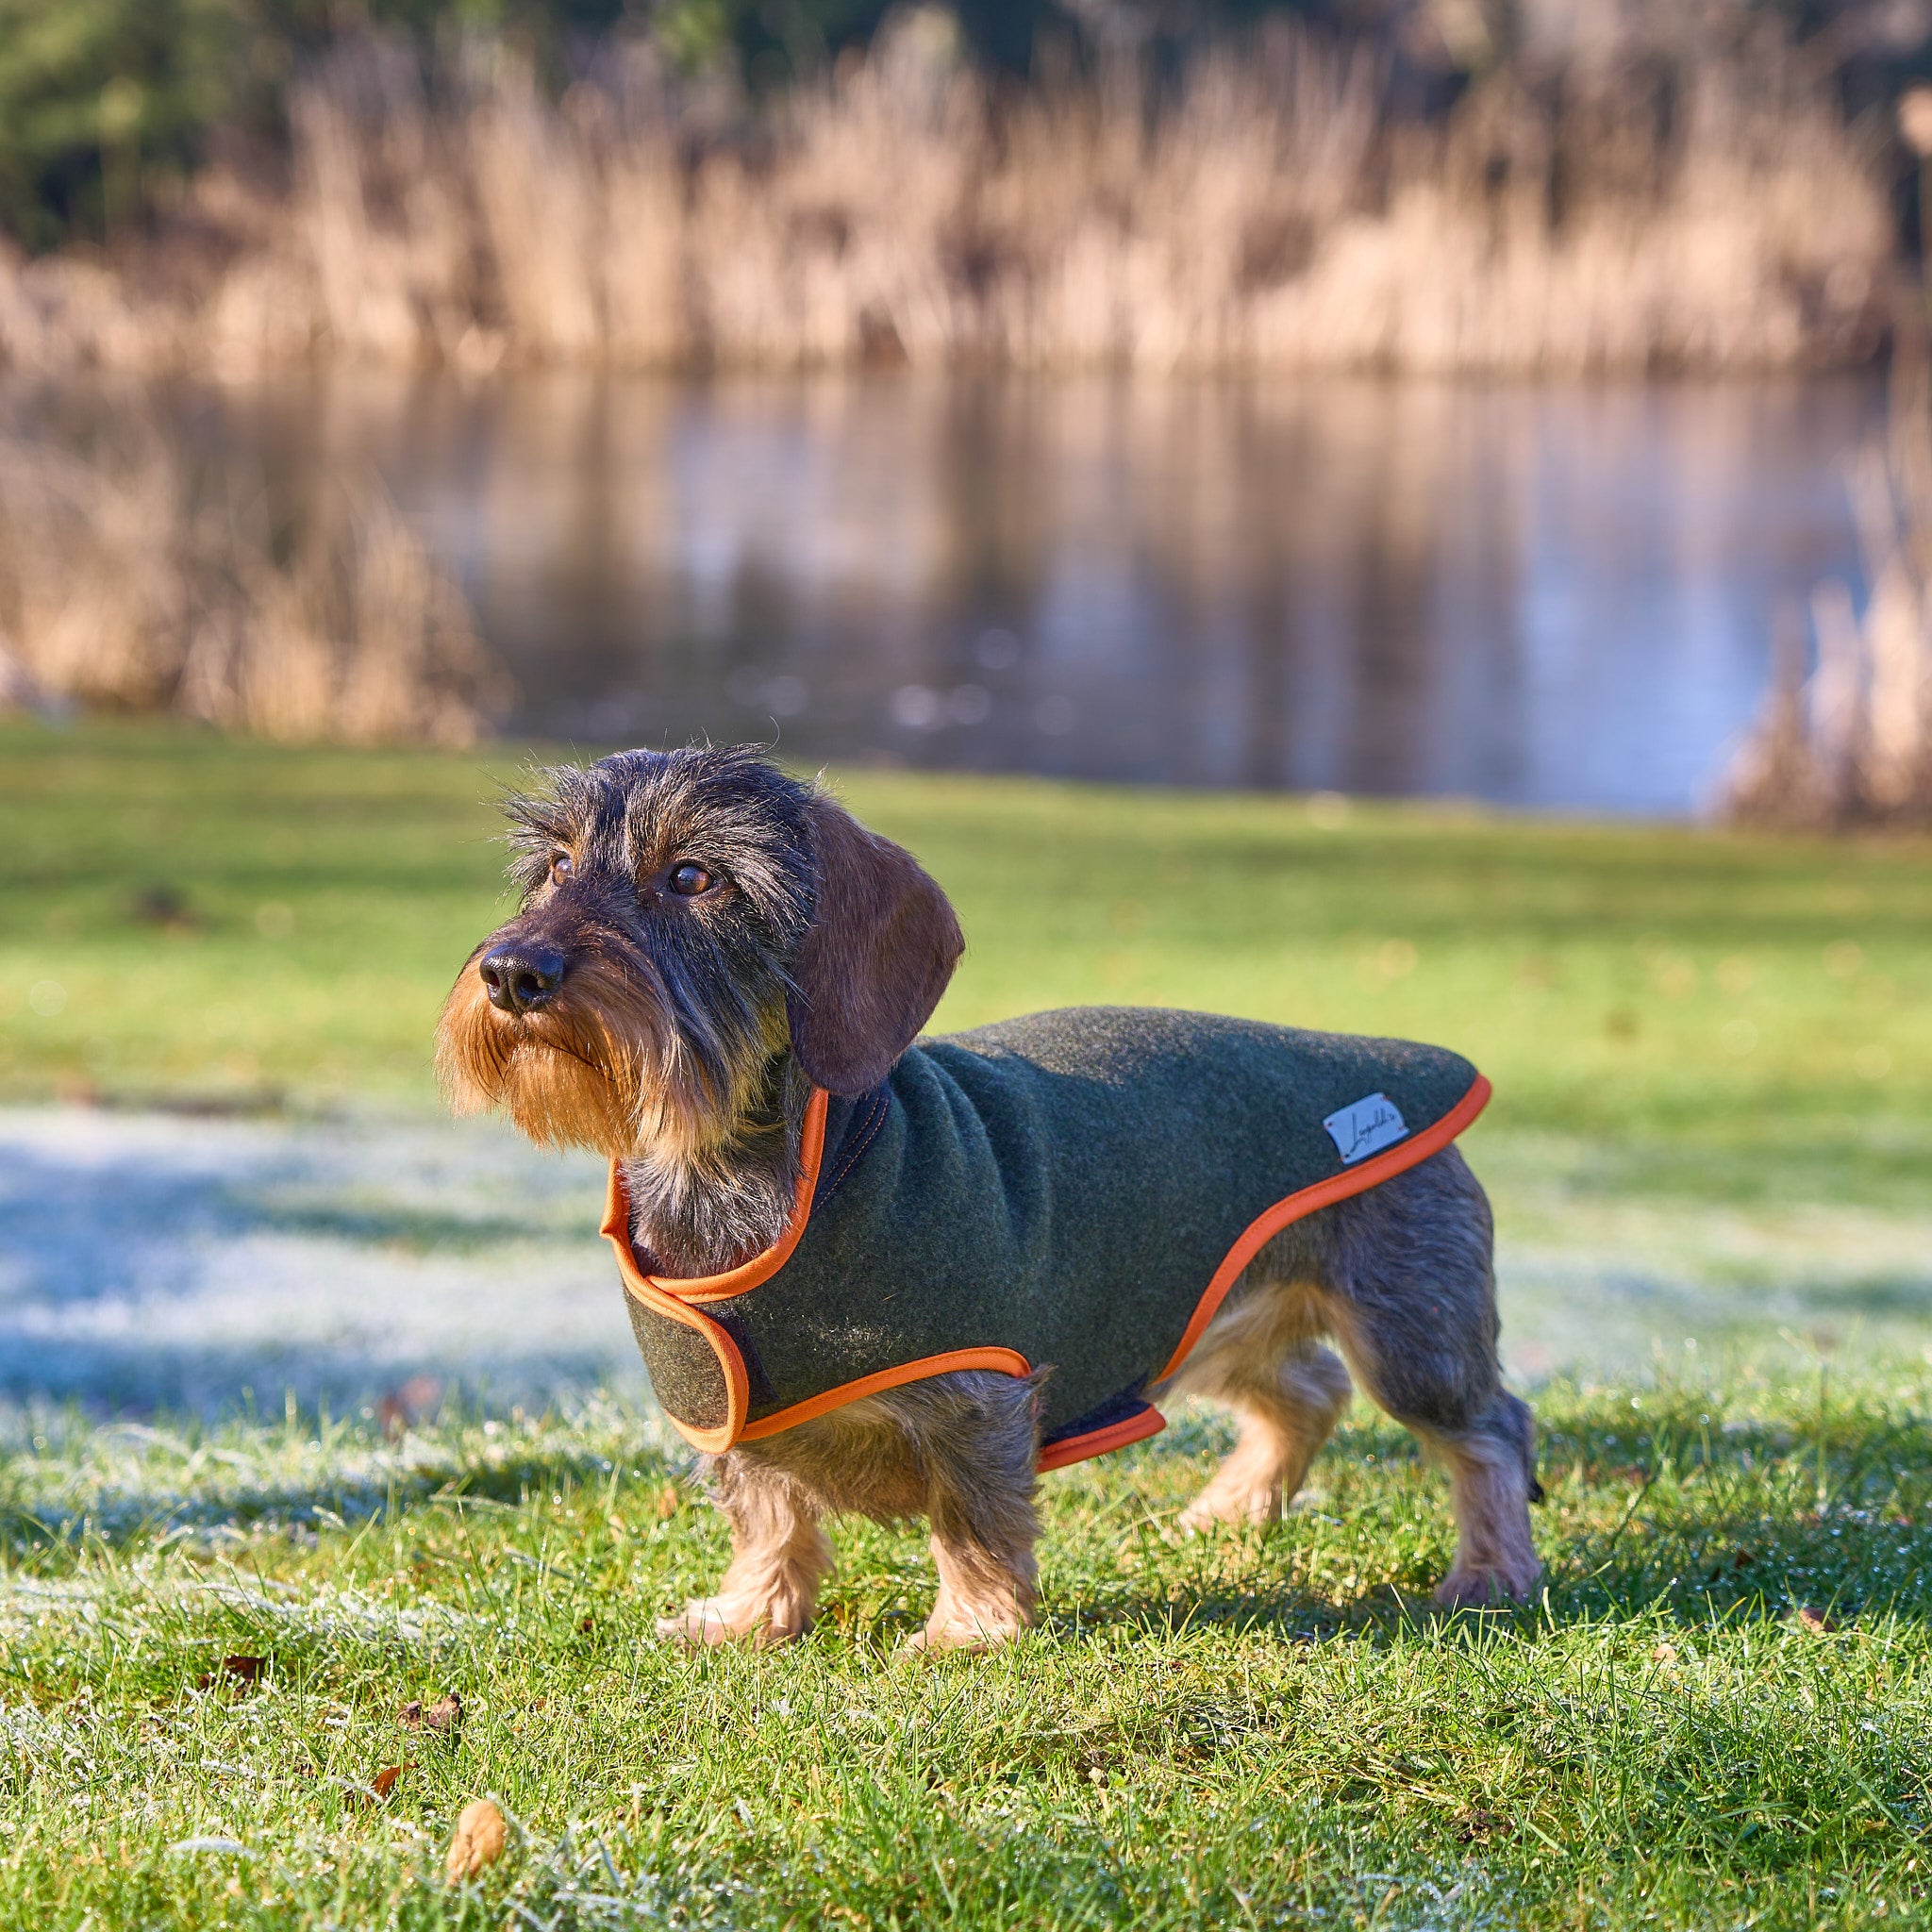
[1365, 1128]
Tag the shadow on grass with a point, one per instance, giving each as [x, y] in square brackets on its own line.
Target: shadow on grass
[410, 1230]
[1773, 1594]
[1668, 1512]
[74, 1219]
[121, 1517]
[1672, 1513]
[146, 1269]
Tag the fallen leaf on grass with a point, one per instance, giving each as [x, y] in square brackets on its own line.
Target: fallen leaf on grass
[1814, 1620]
[243, 1669]
[446, 1714]
[667, 1502]
[1664, 1653]
[378, 1788]
[586, 1625]
[480, 1837]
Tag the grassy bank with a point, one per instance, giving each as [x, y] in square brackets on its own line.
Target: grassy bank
[1717, 1717]
[1671, 1011]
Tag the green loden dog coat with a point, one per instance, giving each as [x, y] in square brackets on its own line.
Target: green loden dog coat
[1074, 1191]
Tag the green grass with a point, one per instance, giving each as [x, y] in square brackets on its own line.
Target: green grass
[1685, 1012]
[1259, 1729]
[1703, 1045]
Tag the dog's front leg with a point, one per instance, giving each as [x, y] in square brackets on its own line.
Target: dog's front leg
[779, 1557]
[980, 1497]
[986, 1596]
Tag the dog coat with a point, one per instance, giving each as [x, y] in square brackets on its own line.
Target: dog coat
[1074, 1191]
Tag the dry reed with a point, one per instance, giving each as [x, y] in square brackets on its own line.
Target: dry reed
[1274, 211]
[129, 581]
[1852, 742]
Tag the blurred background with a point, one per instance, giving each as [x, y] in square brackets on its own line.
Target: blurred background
[1411, 515]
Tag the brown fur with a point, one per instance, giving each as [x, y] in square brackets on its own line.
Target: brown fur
[683, 1041]
[882, 944]
[584, 1073]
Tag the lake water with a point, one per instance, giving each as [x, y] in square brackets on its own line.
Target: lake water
[1539, 597]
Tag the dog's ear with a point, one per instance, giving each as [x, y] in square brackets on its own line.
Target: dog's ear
[881, 946]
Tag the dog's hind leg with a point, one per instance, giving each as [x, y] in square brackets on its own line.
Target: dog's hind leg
[1257, 1359]
[1488, 1486]
[1412, 1299]
[779, 1557]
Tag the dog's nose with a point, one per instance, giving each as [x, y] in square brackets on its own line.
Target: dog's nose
[520, 978]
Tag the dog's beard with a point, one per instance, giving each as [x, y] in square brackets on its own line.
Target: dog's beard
[602, 1066]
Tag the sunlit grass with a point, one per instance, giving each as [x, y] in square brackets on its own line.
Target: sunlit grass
[1712, 1063]
[1266, 1728]
[1696, 1014]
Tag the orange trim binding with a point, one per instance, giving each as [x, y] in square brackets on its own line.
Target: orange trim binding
[717, 1288]
[1008, 1361]
[1134, 1428]
[1354, 1180]
[673, 1298]
[641, 1287]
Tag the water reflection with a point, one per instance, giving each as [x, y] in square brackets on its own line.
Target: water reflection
[1541, 597]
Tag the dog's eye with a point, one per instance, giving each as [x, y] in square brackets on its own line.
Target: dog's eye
[562, 867]
[688, 880]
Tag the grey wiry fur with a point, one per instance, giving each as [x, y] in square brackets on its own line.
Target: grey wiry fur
[670, 1044]
[712, 1104]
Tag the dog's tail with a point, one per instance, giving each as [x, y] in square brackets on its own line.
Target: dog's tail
[1518, 1430]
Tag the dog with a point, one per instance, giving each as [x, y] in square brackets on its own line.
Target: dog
[716, 978]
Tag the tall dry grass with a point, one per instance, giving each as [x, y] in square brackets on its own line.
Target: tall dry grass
[1851, 742]
[130, 579]
[1271, 210]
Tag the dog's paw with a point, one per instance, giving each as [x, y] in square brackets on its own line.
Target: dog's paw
[1492, 1588]
[971, 1639]
[712, 1620]
[1242, 1510]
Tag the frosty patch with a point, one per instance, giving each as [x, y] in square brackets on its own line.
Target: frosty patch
[1366, 1126]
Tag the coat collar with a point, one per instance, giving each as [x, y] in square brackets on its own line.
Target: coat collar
[712, 1288]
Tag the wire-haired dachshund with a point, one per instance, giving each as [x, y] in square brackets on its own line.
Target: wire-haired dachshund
[877, 1277]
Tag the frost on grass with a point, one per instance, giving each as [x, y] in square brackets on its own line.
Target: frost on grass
[156, 1262]
[68, 1484]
